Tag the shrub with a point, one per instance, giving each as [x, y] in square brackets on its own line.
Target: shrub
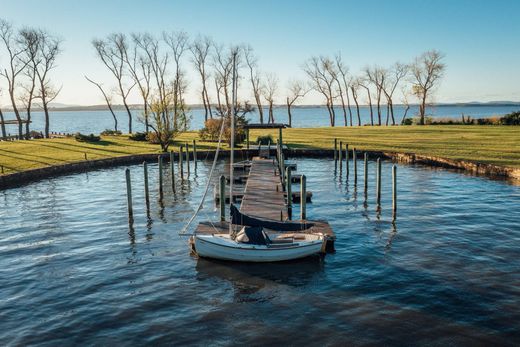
[109, 132]
[35, 134]
[86, 138]
[138, 136]
[211, 130]
[512, 118]
[264, 140]
[408, 121]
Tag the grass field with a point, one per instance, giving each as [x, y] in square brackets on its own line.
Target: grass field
[499, 145]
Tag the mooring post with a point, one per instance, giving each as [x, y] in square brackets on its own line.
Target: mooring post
[187, 160]
[146, 190]
[347, 166]
[335, 148]
[195, 154]
[378, 182]
[394, 192]
[303, 198]
[354, 162]
[160, 162]
[222, 198]
[366, 172]
[181, 160]
[340, 154]
[247, 138]
[282, 170]
[289, 190]
[172, 170]
[129, 194]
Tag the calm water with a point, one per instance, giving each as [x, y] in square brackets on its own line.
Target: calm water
[72, 271]
[97, 121]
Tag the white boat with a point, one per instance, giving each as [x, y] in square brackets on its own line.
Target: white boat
[279, 246]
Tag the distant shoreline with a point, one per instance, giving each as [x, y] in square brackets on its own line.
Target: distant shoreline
[136, 107]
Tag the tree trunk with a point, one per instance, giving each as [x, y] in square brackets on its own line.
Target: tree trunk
[146, 124]
[344, 110]
[129, 117]
[271, 115]
[349, 108]
[16, 114]
[405, 112]
[422, 108]
[387, 113]
[2, 120]
[289, 113]
[357, 108]
[205, 106]
[259, 105]
[392, 111]
[207, 102]
[379, 108]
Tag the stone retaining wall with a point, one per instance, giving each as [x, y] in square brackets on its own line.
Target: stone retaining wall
[20, 178]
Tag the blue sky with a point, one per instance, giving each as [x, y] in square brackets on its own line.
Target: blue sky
[479, 38]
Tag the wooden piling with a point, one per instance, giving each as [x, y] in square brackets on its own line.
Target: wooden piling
[378, 182]
[160, 162]
[366, 171]
[303, 201]
[146, 189]
[335, 149]
[195, 154]
[394, 192]
[129, 194]
[222, 197]
[172, 170]
[347, 166]
[181, 161]
[354, 162]
[187, 160]
[288, 182]
[340, 154]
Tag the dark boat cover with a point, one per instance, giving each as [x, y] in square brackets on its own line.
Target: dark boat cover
[255, 236]
[239, 218]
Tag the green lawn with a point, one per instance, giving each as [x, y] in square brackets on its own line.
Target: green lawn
[498, 145]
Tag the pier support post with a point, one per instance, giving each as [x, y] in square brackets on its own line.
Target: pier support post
[172, 170]
[340, 154]
[129, 194]
[335, 149]
[366, 172]
[288, 182]
[195, 154]
[146, 189]
[222, 198]
[378, 182]
[303, 198]
[181, 159]
[394, 192]
[347, 166]
[160, 162]
[187, 159]
[280, 137]
[354, 162]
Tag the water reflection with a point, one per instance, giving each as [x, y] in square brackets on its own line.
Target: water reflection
[248, 279]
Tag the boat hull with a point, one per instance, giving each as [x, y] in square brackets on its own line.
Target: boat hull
[208, 246]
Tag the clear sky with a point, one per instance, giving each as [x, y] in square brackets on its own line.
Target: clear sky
[480, 38]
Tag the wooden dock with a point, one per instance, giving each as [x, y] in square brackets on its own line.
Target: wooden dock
[264, 197]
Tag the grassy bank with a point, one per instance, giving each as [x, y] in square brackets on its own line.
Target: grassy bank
[499, 145]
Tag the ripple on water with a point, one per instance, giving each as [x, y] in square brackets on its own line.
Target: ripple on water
[73, 271]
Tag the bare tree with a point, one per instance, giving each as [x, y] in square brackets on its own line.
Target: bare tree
[427, 71]
[140, 69]
[365, 85]
[396, 74]
[2, 119]
[343, 72]
[254, 77]
[16, 65]
[30, 39]
[270, 89]
[354, 87]
[108, 100]
[376, 75]
[317, 70]
[111, 51]
[297, 90]
[178, 41]
[49, 49]
[406, 103]
[200, 50]
[223, 66]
